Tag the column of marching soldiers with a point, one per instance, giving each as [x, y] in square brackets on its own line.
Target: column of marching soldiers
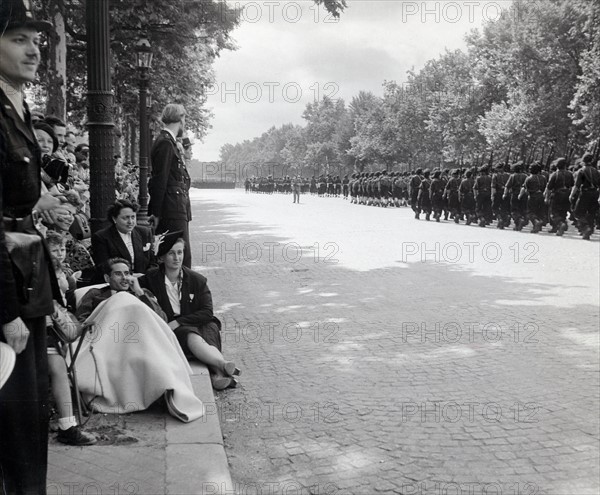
[516, 195]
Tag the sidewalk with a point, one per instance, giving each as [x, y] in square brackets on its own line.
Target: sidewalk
[146, 452]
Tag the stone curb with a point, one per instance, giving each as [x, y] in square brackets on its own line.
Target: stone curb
[195, 455]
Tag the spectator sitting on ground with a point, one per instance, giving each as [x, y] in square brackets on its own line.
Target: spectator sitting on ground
[139, 360]
[186, 299]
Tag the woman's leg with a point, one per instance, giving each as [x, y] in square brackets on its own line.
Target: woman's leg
[207, 354]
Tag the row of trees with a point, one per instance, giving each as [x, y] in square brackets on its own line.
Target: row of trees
[528, 87]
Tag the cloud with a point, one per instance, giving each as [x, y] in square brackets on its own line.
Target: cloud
[290, 51]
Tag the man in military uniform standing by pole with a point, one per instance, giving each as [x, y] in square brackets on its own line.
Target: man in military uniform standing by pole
[170, 182]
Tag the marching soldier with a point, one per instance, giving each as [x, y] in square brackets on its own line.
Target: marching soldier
[534, 186]
[512, 190]
[346, 186]
[414, 185]
[467, 200]
[500, 205]
[587, 185]
[424, 198]
[451, 195]
[557, 195]
[384, 188]
[482, 189]
[436, 194]
[445, 177]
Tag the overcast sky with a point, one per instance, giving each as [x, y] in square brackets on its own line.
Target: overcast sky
[292, 52]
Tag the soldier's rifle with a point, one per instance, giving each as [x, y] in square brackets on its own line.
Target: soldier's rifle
[507, 161]
[596, 152]
[523, 151]
[531, 156]
[551, 155]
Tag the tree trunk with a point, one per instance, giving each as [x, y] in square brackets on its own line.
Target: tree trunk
[56, 103]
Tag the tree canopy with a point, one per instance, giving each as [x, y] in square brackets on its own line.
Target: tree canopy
[529, 82]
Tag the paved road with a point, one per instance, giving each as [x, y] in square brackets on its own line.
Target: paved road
[385, 354]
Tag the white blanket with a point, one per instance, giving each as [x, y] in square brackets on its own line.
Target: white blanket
[131, 358]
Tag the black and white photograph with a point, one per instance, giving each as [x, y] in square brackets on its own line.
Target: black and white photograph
[299, 247]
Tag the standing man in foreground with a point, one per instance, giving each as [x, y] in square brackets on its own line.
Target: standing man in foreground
[24, 302]
[170, 182]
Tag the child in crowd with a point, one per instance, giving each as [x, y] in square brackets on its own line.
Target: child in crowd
[68, 430]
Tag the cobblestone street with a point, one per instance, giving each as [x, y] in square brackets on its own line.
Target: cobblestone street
[385, 354]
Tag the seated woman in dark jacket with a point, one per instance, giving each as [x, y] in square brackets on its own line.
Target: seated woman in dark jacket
[123, 239]
[185, 298]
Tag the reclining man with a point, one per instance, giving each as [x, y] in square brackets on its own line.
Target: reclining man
[131, 358]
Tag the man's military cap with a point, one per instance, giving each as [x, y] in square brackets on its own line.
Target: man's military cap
[17, 14]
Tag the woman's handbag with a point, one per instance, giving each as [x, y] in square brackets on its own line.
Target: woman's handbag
[66, 326]
[80, 228]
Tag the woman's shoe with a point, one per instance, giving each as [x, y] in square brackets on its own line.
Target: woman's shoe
[221, 382]
[230, 369]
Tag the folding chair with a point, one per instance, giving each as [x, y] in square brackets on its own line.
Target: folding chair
[71, 363]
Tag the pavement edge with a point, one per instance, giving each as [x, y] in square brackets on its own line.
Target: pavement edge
[196, 462]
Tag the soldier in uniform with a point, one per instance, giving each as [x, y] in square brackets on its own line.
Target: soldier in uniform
[467, 200]
[436, 193]
[424, 198]
[512, 190]
[587, 185]
[557, 195]
[451, 195]
[321, 186]
[445, 177]
[169, 185]
[500, 205]
[345, 186]
[413, 189]
[385, 188]
[534, 186]
[24, 396]
[482, 189]
[404, 183]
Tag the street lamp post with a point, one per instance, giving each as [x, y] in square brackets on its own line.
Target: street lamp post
[100, 108]
[144, 61]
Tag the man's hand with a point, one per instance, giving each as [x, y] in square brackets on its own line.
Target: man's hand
[134, 285]
[16, 334]
[174, 324]
[46, 205]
